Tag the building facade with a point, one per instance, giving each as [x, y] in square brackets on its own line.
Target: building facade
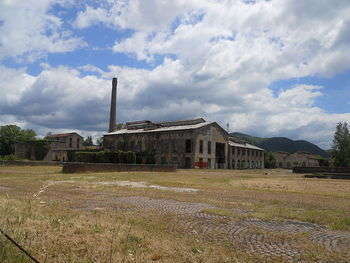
[61, 143]
[297, 159]
[187, 144]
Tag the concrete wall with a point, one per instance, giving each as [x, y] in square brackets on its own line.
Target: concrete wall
[110, 167]
[57, 155]
[25, 151]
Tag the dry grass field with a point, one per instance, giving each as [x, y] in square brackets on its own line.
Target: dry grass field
[187, 216]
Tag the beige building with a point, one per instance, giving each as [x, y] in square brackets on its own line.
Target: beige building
[187, 144]
[61, 143]
[297, 159]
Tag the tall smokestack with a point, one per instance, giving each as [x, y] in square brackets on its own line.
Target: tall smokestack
[113, 113]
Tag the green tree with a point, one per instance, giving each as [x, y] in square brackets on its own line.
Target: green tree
[269, 160]
[88, 141]
[10, 134]
[99, 141]
[341, 145]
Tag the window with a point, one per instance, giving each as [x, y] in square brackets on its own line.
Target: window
[188, 146]
[248, 152]
[131, 145]
[209, 147]
[201, 146]
[238, 151]
[139, 146]
[78, 142]
[70, 142]
[243, 152]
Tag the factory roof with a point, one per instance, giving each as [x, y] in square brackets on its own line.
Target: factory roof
[245, 145]
[162, 127]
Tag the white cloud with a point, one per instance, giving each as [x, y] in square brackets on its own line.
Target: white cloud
[28, 29]
[219, 59]
[62, 99]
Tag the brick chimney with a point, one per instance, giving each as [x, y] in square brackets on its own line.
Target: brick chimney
[113, 113]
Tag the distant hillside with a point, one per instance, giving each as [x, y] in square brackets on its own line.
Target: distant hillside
[283, 144]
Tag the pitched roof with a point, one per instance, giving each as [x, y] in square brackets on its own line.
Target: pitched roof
[149, 127]
[245, 145]
[63, 134]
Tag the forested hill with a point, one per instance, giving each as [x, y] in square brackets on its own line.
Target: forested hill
[275, 144]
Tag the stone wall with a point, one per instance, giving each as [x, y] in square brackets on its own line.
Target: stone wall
[111, 167]
[339, 170]
[29, 163]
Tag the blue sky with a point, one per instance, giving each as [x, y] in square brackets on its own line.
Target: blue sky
[268, 68]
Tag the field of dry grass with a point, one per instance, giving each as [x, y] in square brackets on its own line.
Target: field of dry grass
[187, 216]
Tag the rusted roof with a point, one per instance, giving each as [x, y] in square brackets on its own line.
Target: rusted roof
[162, 129]
[63, 134]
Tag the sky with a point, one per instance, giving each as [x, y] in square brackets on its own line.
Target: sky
[265, 67]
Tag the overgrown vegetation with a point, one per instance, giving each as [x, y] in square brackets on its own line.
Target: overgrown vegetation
[106, 157]
[10, 134]
[10, 157]
[269, 160]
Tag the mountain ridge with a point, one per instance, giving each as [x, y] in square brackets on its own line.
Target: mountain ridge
[276, 144]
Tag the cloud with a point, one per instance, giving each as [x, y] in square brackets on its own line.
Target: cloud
[29, 31]
[62, 98]
[208, 58]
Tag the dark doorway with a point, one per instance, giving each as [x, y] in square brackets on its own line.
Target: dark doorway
[220, 155]
[188, 162]
[188, 146]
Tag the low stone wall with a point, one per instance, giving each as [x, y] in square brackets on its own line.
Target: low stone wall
[329, 176]
[29, 163]
[333, 170]
[112, 167]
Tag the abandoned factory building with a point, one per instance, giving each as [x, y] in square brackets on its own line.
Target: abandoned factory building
[187, 144]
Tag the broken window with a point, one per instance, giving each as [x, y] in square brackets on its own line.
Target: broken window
[188, 146]
[209, 147]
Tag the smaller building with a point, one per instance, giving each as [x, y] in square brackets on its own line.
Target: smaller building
[297, 159]
[61, 143]
[245, 155]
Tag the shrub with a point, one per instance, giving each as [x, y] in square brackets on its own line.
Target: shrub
[41, 149]
[10, 157]
[105, 157]
[85, 157]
